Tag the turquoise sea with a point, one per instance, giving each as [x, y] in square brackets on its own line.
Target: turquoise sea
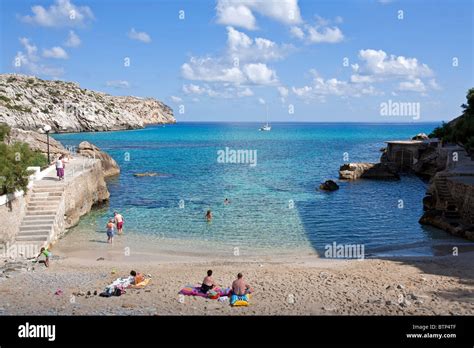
[274, 204]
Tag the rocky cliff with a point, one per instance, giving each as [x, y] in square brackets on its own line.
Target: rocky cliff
[29, 103]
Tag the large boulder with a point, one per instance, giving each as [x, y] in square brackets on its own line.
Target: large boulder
[329, 185]
[109, 166]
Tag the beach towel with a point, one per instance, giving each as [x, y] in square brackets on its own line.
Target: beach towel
[195, 290]
[142, 284]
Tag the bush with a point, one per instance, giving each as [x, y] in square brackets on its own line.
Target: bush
[4, 131]
[14, 159]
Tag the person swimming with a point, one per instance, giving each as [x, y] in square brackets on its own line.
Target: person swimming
[209, 216]
[226, 201]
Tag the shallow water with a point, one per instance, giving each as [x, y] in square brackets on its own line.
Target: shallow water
[275, 204]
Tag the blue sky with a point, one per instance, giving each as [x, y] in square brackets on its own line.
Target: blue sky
[227, 60]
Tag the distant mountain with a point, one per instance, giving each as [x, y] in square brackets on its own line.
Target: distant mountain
[29, 103]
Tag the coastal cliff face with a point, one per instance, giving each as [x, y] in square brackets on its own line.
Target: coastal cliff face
[29, 103]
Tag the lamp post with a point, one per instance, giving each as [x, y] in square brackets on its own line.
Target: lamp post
[47, 129]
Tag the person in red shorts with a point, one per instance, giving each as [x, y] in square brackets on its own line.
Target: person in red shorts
[118, 219]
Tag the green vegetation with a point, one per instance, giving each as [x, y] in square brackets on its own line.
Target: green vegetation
[14, 160]
[11, 79]
[5, 99]
[461, 130]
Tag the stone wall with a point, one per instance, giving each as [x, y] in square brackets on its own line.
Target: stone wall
[11, 215]
[87, 189]
[462, 191]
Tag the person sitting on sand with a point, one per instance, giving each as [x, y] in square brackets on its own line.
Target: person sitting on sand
[137, 278]
[110, 231]
[208, 283]
[118, 219]
[209, 216]
[47, 255]
[240, 286]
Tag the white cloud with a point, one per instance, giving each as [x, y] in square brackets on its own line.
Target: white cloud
[119, 84]
[211, 70]
[240, 12]
[31, 63]
[240, 45]
[412, 86]
[283, 91]
[297, 32]
[321, 32]
[239, 16]
[55, 52]
[380, 64]
[139, 36]
[176, 99]
[73, 39]
[260, 74]
[62, 13]
[219, 91]
[261, 101]
[320, 88]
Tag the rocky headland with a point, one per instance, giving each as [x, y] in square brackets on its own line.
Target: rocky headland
[30, 103]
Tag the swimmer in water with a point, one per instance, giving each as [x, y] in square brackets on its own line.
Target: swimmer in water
[208, 216]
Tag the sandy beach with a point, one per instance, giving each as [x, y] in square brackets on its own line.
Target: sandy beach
[297, 285]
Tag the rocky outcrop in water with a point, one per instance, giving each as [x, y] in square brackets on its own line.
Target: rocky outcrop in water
[109, 166]
[329, 185]
[353, 171]
[29, 103]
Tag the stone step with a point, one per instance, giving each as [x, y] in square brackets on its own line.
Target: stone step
[32, 238]
[41, 207]
[37, 227]
[40, 222]
[41, 212]
[34, 233]
[48, 188]
[45, 199]
[43, 203]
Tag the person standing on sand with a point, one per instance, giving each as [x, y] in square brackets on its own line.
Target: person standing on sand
[60, 168]
[110, 231]
[208, 283]
[118, 219]
[209, 216]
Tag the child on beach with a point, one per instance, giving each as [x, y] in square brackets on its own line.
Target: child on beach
[47, 255]
[110, 231]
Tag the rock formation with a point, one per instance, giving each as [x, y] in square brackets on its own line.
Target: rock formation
[36, 141]
[329, 185]
[353, 171]
[109, 166]
[30, 103]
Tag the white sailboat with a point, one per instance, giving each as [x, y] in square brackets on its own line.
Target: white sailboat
[266, 127]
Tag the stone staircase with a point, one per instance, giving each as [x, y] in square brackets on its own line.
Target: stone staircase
[451, 209]
[38, 222]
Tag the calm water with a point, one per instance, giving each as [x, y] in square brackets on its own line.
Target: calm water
[273, 204]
